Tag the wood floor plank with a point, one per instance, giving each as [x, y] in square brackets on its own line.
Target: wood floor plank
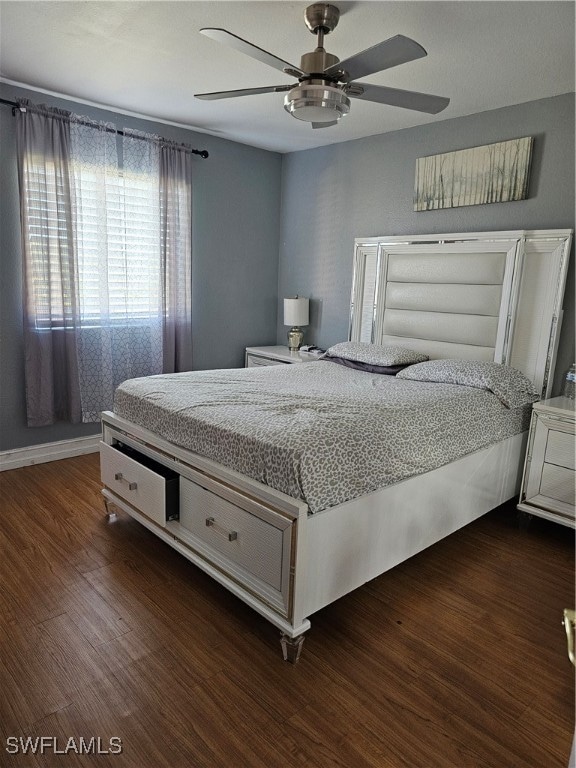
[30, 672]
[454, 659]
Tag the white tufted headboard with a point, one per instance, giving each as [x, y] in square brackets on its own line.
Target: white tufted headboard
[482, 296]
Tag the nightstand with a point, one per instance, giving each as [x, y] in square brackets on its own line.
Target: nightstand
[256, 356]
[548, 484]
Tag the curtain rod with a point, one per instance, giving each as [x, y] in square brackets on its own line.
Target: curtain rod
[202, 152]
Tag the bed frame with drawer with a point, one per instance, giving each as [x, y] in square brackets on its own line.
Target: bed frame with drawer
[491, 296]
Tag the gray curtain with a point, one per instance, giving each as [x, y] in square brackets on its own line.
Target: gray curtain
[176, 247]
[51, 318]
[106, 232]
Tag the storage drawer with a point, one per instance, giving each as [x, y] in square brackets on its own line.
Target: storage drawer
[143, 482]
[253, 361]
[560, 449]
[558, 483]
[254, 538]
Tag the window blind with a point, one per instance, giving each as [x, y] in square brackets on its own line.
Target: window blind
[118, 276]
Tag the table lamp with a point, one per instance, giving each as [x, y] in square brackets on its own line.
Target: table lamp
[295, 314]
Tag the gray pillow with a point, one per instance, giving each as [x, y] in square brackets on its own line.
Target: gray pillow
[510, 386]
[386, 370]
[375, 354]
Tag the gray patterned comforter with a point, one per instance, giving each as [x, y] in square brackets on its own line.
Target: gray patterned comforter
[318, 431]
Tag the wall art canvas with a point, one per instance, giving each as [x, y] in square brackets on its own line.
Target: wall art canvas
[493, 173]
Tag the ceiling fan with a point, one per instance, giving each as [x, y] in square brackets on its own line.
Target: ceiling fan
[325, 83]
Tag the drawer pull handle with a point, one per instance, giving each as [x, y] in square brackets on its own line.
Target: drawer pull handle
[231, 535]
[120, 476]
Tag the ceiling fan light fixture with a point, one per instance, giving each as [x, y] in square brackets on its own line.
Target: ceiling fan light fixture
[315, 103]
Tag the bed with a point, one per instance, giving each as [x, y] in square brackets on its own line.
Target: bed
[293, 485]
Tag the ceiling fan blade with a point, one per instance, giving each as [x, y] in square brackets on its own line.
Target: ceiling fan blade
[421, 102]
[242, 92]
[389, 53]
[223, 36]
[324, 125]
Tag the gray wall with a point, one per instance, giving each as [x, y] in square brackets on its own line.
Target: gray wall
[364, 188]
[235, 258]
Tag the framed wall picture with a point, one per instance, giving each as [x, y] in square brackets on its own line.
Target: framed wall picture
[492, 173]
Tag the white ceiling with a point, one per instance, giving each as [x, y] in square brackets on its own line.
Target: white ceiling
[148, 58]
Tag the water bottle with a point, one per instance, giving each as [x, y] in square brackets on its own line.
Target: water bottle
[569, 389]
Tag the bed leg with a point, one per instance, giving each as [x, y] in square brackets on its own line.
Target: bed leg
[110, 514]
[523, 520]
[291, 647]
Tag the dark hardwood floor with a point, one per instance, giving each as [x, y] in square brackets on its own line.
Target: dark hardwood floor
[455, 659]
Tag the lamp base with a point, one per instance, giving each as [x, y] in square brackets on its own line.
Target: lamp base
[295, 339]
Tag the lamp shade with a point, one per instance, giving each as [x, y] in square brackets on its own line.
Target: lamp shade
[296, 311]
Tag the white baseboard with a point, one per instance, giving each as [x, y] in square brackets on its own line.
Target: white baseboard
[38, 454]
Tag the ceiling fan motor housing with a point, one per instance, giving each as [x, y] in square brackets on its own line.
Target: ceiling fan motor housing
[317, 61]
